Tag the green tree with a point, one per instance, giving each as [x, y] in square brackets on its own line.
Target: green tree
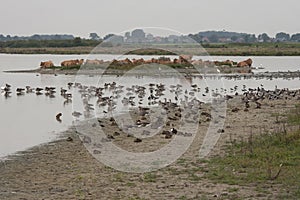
[198, 38]
[77, 41]
[213, 38]
[264, 37]
[108, 36]
[94, 36]
[296, 37]
[282, 36]
[246, 38]
[234, 38]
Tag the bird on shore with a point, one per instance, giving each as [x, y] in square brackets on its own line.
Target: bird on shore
[58, 117]
[6, 88]
[70, 85]
[76, 114]
[20, 89]
[63, 91]
[29, 89]
[39, 89]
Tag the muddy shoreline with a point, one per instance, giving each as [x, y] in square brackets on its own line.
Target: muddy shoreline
[184, 72]
[64, 169]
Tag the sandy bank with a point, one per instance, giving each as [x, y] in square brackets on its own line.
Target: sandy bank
[65, 170]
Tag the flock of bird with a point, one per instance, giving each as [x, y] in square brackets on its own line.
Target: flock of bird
[176, 100]
[48, 91]
[109, 96]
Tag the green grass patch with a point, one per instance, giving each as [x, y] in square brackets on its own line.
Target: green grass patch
[76, 67]
[262, 159]
[225, 49]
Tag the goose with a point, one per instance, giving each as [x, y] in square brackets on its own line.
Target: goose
[173, 130]
[76, 114]
[39, 89]
[63, 91]
[29, 89]
[19, 90]
[58, 117]
[6, 88]
[70, 84]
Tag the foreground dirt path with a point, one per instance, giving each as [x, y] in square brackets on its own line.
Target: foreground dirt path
[65, 170]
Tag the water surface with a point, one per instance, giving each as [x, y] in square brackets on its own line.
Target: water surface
[30, 119]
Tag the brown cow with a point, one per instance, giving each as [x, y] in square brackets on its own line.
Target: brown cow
[249, 61]
[245, 63]
[68, 63]
[185, 58]
[153, 60]
[115, 62]
[47, 64]
[242, 64]
[176, 61]
[164, 60]
[228, 62]
[138, 61]
[81, 61]
[148, 61]
[127, 61]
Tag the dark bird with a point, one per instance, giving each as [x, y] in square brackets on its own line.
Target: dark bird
[58, 117]
[137, 140]
[39, 89]
[76, 114]
[174, 131]
[20, 89]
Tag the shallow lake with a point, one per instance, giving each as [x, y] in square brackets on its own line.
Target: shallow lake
[29, 120]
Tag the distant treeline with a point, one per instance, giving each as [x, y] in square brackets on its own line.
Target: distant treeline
[206, 38]
[234, 37]
[37, 37]
[76, 42]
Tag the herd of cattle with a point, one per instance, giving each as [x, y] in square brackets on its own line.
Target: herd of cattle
[141, 61]
[66, 63]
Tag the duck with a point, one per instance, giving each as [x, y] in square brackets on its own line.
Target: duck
[29, 89]
[58, 117]
[38, 89]
[20, 90]
[6, 88]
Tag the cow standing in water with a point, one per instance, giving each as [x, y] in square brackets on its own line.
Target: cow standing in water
[47, 64]
[245, 63]
[68, 63]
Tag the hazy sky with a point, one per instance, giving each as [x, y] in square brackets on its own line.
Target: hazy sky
[26, 17]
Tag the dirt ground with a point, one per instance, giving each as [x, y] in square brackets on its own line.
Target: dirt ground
[64, 169]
